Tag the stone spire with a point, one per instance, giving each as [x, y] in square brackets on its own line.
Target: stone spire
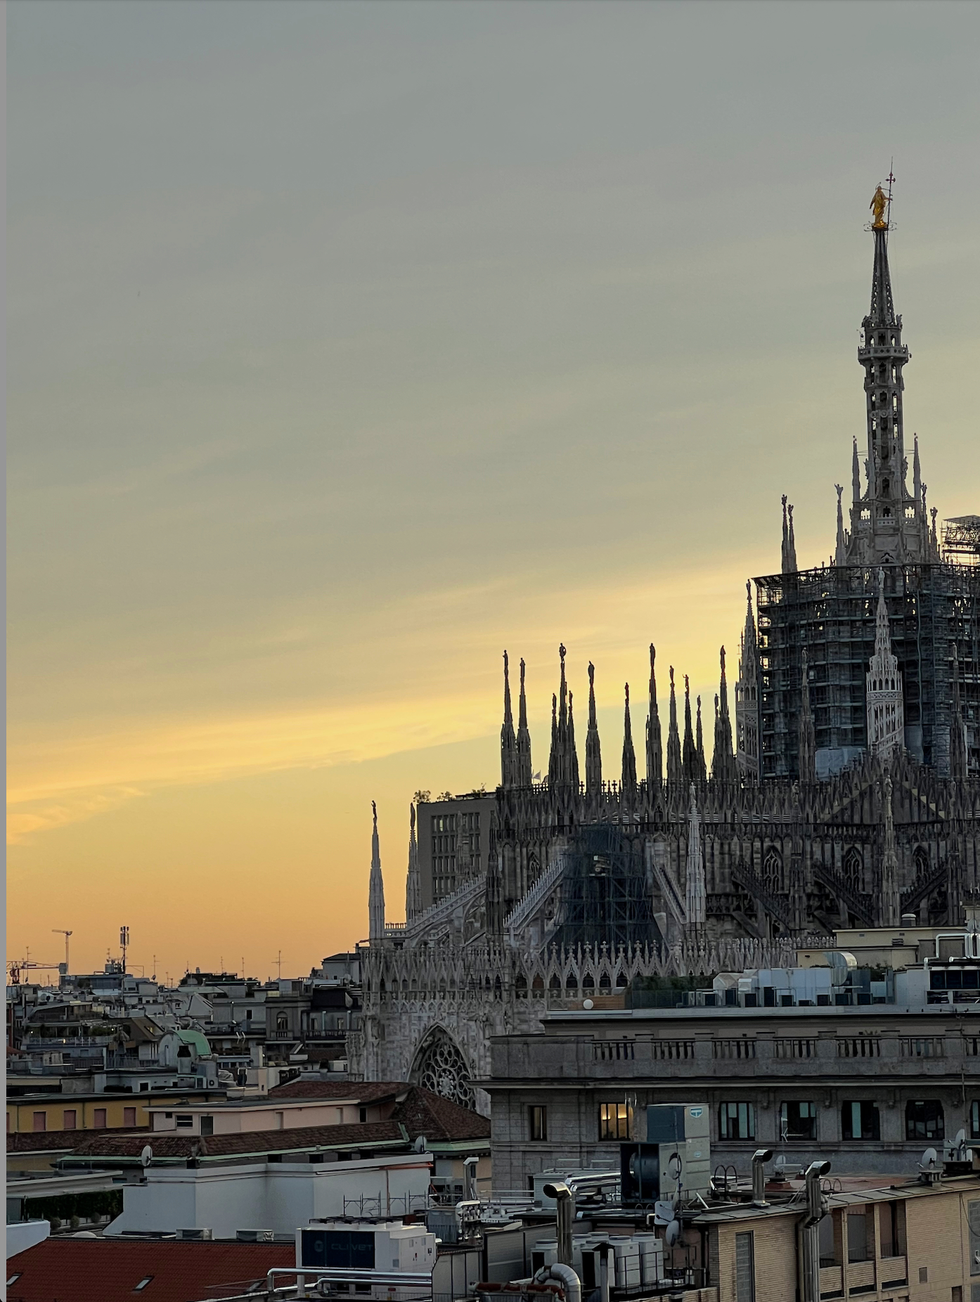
[690, 752]
[788, 551]
[523, 739]
[376, 887]
[699, 744]
[695, 893]
[888, 523]
[508, 740]
[554, 776]
[655, 754]
[808, 739]
[722, 757]
[629, 755]
[593, 753]
[891, 900]
[413, 884]
[886, 710]
[571, 753]
[675, 765]
[747, 696]
[840, 550]
[957, 728]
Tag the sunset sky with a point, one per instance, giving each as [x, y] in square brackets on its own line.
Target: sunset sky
[351, 343]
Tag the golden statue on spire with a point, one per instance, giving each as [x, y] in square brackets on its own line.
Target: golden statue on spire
[879, 206]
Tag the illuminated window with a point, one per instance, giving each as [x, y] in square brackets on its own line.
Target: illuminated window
[614, 1121]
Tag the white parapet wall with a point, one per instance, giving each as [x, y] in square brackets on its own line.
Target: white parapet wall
[277, 1196]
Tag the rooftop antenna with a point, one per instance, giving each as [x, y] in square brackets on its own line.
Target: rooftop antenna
[61, 932]
[278, 962]
[124, 944]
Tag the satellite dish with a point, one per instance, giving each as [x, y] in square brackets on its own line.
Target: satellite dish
[959, 1146]
[929, 1158]
[587, 1004]
[146, 1156]
[675, 1165]
[672, 1233]
[420, 1145]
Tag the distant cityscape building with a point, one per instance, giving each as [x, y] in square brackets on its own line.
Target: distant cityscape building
[846, 794]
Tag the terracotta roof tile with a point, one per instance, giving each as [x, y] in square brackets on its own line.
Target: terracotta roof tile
[361, 1091]
[425, 1113]
[41, 1141]
[108, 1270]
[104, 1144]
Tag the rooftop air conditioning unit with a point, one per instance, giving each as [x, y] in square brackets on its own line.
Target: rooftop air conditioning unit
[255, 1236]
[196, 1233]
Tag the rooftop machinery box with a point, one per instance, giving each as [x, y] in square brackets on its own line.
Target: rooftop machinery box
[673, 1160]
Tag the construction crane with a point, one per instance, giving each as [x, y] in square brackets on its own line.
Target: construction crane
[60, 931]
[15, 968]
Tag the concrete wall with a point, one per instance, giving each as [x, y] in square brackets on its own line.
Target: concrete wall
[274, 1196]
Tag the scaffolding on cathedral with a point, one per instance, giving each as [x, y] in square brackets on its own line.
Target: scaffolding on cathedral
[605, 897]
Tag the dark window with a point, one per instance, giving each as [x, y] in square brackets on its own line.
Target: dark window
[736, 1121]
[614, 1121]
[975, 1119]
[797, 1120]
[891, 1227]
[207, 1125]
[924, 1119]
[859, 1233]
[537, 1118]
[860, 1120]
[184, 1120]
[745, 1267]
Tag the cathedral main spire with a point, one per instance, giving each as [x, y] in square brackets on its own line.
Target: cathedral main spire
[889, 525]
[376, 885]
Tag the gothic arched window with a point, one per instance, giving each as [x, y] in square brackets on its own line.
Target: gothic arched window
[854, 868]
[921, 860]
[440, 1067]
[772, 870]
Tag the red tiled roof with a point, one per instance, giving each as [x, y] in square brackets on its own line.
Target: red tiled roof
[108, 1270]
[420, 1111]
[424, 1112]
[104, 1144]
[40, 1141]
[359, 1091]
